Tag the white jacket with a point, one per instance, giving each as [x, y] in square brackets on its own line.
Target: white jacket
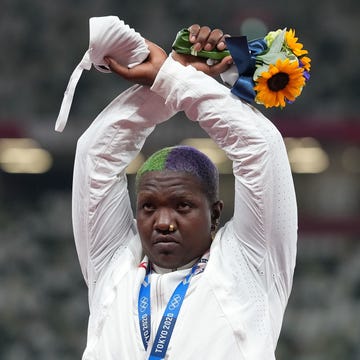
[234, 309]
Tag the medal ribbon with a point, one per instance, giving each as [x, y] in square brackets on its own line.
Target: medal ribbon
[167, 323]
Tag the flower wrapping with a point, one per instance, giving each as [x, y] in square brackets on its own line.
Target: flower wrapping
[272, 70]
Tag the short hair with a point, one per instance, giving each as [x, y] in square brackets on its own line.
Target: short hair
[186, 159]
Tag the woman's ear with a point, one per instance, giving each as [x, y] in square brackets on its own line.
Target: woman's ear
[216, 210]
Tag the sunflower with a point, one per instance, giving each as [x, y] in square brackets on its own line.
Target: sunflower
[305, 62]
[281, 82]
[293, 44]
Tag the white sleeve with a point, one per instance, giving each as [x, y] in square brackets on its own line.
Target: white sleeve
[102, 215]
[265, 214]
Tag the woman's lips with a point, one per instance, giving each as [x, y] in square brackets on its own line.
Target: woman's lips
[164, 240]
[165, 244]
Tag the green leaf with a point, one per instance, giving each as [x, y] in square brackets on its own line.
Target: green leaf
[272, 57]
[278, 42]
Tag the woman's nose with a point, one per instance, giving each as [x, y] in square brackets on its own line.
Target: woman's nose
[163, 220]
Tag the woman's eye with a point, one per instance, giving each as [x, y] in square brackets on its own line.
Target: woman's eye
[184, 206]
[148, 207]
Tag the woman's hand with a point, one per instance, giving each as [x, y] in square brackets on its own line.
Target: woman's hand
[144, 73]
[204, 38]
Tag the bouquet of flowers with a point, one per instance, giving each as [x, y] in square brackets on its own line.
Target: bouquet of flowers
[272, 71]
[282, 71]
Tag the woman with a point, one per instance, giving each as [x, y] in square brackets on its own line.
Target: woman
[162, 286]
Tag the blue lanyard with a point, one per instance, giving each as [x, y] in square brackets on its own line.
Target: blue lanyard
[169, 317]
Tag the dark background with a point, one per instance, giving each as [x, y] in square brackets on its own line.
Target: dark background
[43, 299]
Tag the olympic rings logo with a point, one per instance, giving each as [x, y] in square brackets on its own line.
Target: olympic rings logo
[175, 302]
[144, 303]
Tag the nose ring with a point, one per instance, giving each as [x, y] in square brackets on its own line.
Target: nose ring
[171, 228]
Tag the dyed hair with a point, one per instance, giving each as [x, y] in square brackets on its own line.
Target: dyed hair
[184, 159]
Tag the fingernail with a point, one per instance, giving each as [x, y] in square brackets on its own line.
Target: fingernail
[107, 60]
[221, 45]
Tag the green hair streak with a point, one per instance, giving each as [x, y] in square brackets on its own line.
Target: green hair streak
[156, 162]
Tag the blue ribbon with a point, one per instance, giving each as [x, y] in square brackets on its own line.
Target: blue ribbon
[144, 311]
[169, 317]
[244, 55]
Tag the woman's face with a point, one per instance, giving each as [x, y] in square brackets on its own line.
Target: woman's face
[174, 198]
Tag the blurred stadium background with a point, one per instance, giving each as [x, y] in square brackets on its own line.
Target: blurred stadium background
[43, 299]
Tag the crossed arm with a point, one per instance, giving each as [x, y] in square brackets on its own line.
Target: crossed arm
[265, 214]
[248, 138]
[202, 38]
